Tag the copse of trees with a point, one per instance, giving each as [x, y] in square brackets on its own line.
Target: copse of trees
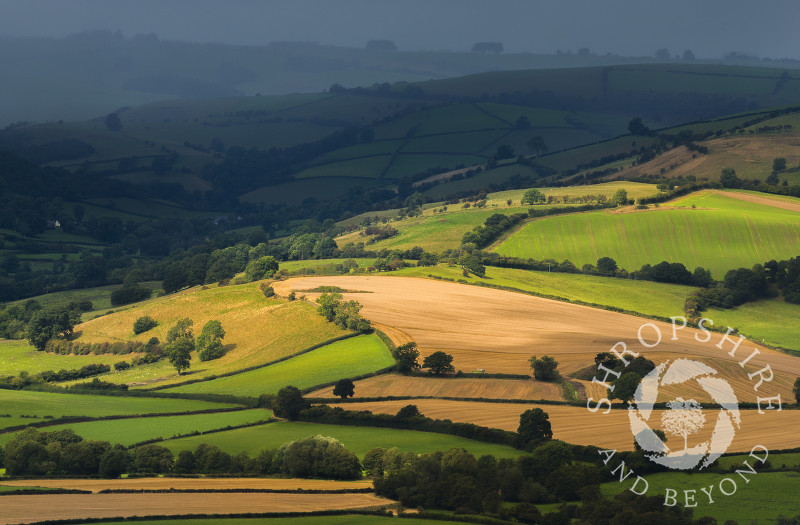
[345, 314]
[50, 323]
[344, 388]
[544, 369]
[534, 425]
[143, 324]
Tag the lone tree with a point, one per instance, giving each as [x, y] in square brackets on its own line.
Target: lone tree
[606, 265]
[439, 363]
[406, 356]
[209, 342]
[728, 178]
[261, 268]
[408, 411]
[620, 197]
[344, 388]
[797, 390]
[778, 165]
[179, 353]
[544, 369]
[534, 425]
[533, 196]
[637, 127]
[182, 328]
[289, 402]
[684, 417]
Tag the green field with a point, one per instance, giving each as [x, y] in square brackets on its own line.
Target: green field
[635, 190]
[134, 430]
[349, 358]
[17, 403]
[646, 297]
[313, 264]
[357, 439]
[722, 234]
[771, 321]
[767, 496]
[19, 356]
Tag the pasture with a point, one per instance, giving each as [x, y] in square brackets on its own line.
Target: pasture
[499, 330]
[348, 358]
[359, 440]
[134, 430]
[719, 234]
[37, 405]
[761, 500]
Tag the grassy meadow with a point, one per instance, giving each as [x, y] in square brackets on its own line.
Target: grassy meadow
[764, 496]
[719, 234]
[134, 430]
[348, 358]
[357, 439]
[41, 406]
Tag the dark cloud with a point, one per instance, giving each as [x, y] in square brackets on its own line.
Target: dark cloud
[630, 27]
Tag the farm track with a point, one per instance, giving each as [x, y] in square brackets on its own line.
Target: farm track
[499, 330]
[34, 508]
[577, 425]
[757, 199]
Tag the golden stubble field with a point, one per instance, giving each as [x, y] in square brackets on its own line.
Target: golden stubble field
[774, 430]
[499, 331]
[34, 508]
[96, 485]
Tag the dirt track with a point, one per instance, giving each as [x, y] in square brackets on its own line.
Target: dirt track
[757, 199]
[28, 509]
[499, 331]
[96, 485]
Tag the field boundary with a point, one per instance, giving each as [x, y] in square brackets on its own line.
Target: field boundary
[256, 367]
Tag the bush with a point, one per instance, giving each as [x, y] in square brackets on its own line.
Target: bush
[144, 324]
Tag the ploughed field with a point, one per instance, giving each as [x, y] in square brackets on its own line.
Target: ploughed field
[499, 331]
[34, 508]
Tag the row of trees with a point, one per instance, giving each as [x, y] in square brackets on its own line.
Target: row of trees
[62, 452]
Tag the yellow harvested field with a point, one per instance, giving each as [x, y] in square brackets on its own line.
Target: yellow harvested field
[499, 331]
[257, 329]
[399, 385]
[29, 509]
[774, 430]
[96, 485]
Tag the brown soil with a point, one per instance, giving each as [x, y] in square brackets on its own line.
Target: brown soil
[758, 199]
[28, 509]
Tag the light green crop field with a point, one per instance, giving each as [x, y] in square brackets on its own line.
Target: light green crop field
[763, 499]
[349, 358]
[40, 404]
[357, 439]
[771, 321]
[134, 430]
[435, 232]
[721, 235]
[646, 297]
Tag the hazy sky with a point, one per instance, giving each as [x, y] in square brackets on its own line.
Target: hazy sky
[630, 27]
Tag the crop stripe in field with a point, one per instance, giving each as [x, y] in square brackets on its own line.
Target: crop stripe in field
[66, 420]
[205, 432]
[354, 378]
[256, 367]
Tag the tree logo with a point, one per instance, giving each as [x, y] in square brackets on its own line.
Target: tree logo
[684, 417]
